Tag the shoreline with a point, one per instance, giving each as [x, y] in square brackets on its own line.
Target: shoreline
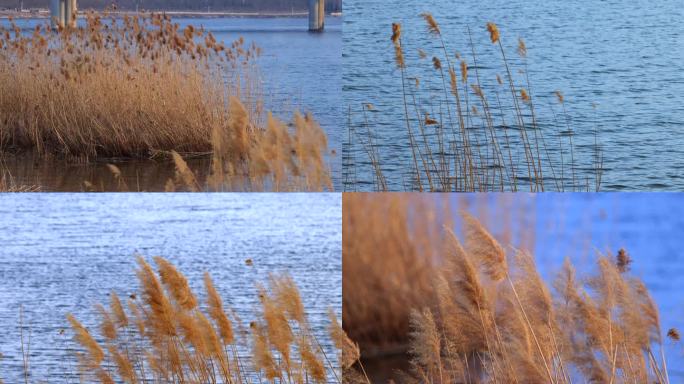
[45, 14]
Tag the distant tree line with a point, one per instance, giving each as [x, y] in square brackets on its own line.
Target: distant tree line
[185, 5]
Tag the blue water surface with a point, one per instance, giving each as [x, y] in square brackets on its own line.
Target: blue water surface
[619, 64]
[64, 253]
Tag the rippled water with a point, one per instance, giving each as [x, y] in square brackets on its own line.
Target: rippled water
[626, 57]
[300, 71]
[63, 253]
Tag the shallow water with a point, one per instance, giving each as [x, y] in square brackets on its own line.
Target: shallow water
[63, 253]
[300, 71]
[625, 57]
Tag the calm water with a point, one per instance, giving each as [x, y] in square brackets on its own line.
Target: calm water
[300, 70]
[63, 253]
[626, 57]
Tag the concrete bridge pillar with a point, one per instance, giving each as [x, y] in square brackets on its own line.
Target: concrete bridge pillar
[316, 15]
[63, 13]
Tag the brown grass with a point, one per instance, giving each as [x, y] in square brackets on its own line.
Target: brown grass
[482, 137]
[473, 311]
[141, 86]
[168, 336]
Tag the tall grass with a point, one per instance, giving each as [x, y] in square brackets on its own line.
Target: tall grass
[466, 134]
[165, 334]
[141, 86]
[476, 311]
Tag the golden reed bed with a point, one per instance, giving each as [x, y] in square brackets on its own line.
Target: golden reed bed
[140, 87]
[467, 310]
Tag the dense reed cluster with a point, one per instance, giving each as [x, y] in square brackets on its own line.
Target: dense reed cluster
[389, 255]
[165, 335]
[467, 133]
[485, 314]
[142, 86]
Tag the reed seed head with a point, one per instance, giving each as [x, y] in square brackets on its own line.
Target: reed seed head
[673, 334]
[431, 23]
[493, 32]
[524, 95]
[559, 96]
[623, 261]
[396, 33]
[464, 71]
[436, 63]
[522, 48]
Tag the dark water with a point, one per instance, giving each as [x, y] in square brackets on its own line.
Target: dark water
[626, 57]
[59, 175]
[63, 253]
[299, 70]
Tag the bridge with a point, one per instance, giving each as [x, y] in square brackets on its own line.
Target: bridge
[63, 14]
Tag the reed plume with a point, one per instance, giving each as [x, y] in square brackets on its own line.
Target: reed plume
[165, 336]
[433, 27]
[493, 32]
[217, 312]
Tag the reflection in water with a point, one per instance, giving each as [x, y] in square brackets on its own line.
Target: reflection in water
[58, 175]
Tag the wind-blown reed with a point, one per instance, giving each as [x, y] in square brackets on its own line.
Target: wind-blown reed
[468, 133]
[474, 311]
[165, 334]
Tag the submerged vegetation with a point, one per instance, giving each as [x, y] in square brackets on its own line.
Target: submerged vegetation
[467, 133]
[469, 310]
[166, 334]
[141, 86]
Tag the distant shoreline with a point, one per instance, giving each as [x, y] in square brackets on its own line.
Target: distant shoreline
[44, 14]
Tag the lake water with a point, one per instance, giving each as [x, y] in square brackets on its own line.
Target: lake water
[627, 58]
[300, 71]
[63, 253]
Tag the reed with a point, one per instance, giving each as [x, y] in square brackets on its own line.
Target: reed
[470, 133]
[475, 311]
[167, 335]
[141, 86]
